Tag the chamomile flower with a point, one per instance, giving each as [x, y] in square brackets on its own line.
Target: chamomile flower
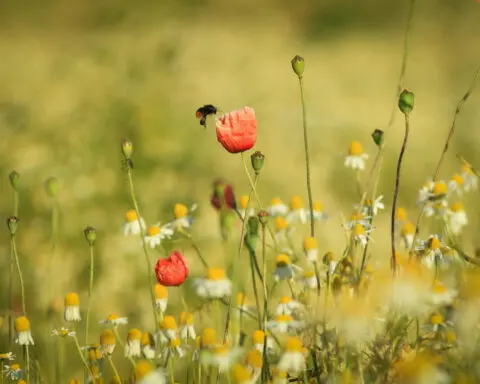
[297, 211]
[243, 204]
[254, 362]
[169, 329]
[156, 233]
[114, 320]
[183, 215]
[242, 375]
[22, 330]
[358, 218]
[214, 286]
[161, 297]
[310, 247]
[400, 216]
[435, 322]
[281, 228]
[470, 179]
[258, 341]
[133, 346]
[287, 306]
[145, 374]
[107, 342]
[356, 157]
[94, 353]
[208, 339]
[374, 206]
[222, 357]
[434, 198]
[330, 263]
[432, 251]
[456, 217]
[63, 332]
[318, 213]
[309, 279]
[147, 343]
[284, 269]
[243, 304]
[441, 294]
[8, 356]
[407, 232]
[72, 308]
[284, 324]
[13, 372]
[456, 184]
[361, 234]
[174, 348]
[133, 225]
[277, 208]
[293, 359]
[187, 330]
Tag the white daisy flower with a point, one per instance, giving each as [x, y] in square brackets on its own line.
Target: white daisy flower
[187, 330]
[441, 294]
[222, 357]
[356, 157]
[183, 216]
[168, 329]
[174, 349]
[318, 213]
[22, 330]
[456, 184]
[293, 358]
[156, 233]
[161, 297]
[284, 269]
[436, 322]
[8, 356]
[277, 208]
[297, 211]
[243, 204]
[146, 374]
[258, 341]
[309, 279]
[456, 217]
[243, 304]
[407, 232]
[13, 372]
[287, 306]
[310, 247]
[108, 342]
[470, 179]
[63, 332]
[147, 343]
[284, 324]
[72, 308]
[281, 229]
[358, 218]
[214, 286]
[433, 198]
[360, 234]
[132, 223]
[133, 347]
[114, 320]
[433, 252]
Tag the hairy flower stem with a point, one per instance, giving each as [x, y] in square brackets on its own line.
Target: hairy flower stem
[90, 289]
[19, 271]
[395, 194]
[144, 246]
[255, 290]
[307, 156]
[114, 369]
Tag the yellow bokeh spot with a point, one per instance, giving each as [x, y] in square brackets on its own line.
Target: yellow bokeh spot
[254, 358]
[282, 259]
[241, 299]
[401, 214]
[131, 216]
[258, 337]
[153, 230]
[458, 179]
[209, 337]
[243, 202]
[180, 211]
[281, 223]
[309, 243]
[358, 230]
[186, 318]
[216, 274]
[407, 229]
[142, 369]
[241, 374]
[440, 188]
[285, 300]
[71, 300]
[296, 203]
[355, 149]
[22, 324]
[439, 288]
[436, 319]
[161, 292]
[457, 207]
[317, 206]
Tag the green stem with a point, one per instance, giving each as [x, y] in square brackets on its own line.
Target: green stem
[1, 372]
[144, 247]
[255, 291]
[20, 276]
[90, 289]
[84, 361]
[122, 344]
[10, 298]
[307, 156]
[195, 246]
[114, 368]
[395, 194]
[172, 369]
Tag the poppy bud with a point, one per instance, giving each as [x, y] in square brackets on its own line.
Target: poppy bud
[172, 271]
[377, 136]
[406, 102]
[51, 185]
[257, 159]
[263, 217]
[14, 176]
[298, 65]
[223, 196]
[12, 222]
[90, 235]
[127, 148]
[237, 130]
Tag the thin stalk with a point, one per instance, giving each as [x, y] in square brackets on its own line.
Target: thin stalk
[307, 156]
[27, 363]
[10, 278]
[1, 372]
[255, 291]
[144, 247]
[94, 380]
[90, 289]
[172, 369]
[122, 344]
[195, 247]
[19, 270]
[114, 368]
[395, 194]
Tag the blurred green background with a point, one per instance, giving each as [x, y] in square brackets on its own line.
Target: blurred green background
[78, 76]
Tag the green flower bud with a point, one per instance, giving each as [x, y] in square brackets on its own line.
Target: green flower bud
[252, 225]
[377, 137]
[127, 148]
[406, 101]
[298, 65]
[14, 177]
[90, 235]
[257, 159]
[12, 223]
[263, 217]
[251, 237]
[51, 185]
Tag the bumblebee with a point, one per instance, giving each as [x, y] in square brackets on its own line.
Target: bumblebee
[203, 112]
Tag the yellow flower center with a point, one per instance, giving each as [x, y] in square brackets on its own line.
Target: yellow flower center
[209, 337]
[174, 343]
[436, 319]
[276, 201]
[254, 358]
[356, 217]
[142, 369]
[222, 350]
[131, 216]
[358, 230]
[180, 210]
[328, 257]
[407, 229]
[457, 179]
[107, 337]
[71, 300]
[241, 299]
[147, 339]
[440, 188]
[15, 367]
[439, 288]
[243, 202]
[457, 207]
[282, 259]
[293, 344]
[434, 243]
[309, 273]
[161, 292]
[169, 323]
[240, 373]
[258, 337]
[153, 230]
[400, 214]
[355, 149]
[22, 324]
[296, 203]
[71, 381]
[467, 169]
[281, 223]
[317, 206]
[112, 317]
[285, 300]
[309, 243]
[216, 274]
[134, 334]
[283, 318]
[186, 318]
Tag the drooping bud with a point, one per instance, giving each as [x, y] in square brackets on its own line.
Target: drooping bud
[12, 223]
[263, 217]
[251, 237]
[377, 137]
[14, 177]
[127, 148]
[298, 65]
[257, 159]
[406, 102]
[90, 235]
[51, 185]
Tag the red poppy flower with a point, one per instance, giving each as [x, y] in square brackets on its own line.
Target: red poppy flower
[223, 196]
[237, 130]
[173, 270]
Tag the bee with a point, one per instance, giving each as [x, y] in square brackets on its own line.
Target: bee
[203, 112]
